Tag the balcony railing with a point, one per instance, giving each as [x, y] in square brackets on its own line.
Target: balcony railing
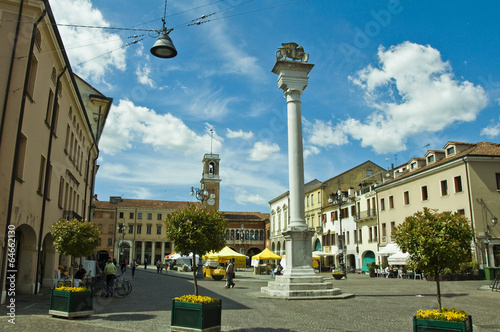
[372, 213]
[68, 215]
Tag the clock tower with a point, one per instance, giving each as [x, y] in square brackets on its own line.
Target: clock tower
[210, 181]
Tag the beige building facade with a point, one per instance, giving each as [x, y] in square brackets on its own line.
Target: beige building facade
[324, 215]
[134, 228]
[48, 143]
[463, 178]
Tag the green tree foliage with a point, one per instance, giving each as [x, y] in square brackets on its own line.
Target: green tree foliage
[435, 242]
[75, 238]
[196, 230]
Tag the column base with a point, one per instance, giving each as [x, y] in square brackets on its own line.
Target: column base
[302, 287]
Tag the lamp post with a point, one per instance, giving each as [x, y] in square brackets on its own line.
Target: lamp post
[339, 198]
[486, 241]
[242, 232]
[242, 237]
[121, 229]
[200, 194]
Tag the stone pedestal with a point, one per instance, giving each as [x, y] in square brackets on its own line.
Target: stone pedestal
[299, 281]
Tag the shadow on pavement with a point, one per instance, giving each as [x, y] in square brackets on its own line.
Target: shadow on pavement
[262, 329]
[412, 295]
[127, 317]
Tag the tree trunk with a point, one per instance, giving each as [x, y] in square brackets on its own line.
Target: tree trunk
[194, 268]
[438, 289]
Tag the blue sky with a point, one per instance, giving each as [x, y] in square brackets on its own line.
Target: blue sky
[391, 79]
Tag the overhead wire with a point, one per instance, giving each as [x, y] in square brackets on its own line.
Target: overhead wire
[119, 48]
[189, 23]
[197, 21]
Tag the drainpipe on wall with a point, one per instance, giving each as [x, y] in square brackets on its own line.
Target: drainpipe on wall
[93, 168]
[16, 151]
[92, 183]
[470, 206]
[87, 169]
[11, 69]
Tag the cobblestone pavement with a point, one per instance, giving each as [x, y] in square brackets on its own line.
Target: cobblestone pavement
[379, 304]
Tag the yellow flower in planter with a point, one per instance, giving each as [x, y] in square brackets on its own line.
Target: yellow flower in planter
[452, 315]
[72, 289]
[196, 299]
[219, 272]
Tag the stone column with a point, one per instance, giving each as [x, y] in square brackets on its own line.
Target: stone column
[143, 249]
[153, 249]
[132, 252]
[162, 254]
[299, 279]
[293, 80]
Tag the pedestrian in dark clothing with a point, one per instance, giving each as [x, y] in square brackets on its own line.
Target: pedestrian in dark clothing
[133, 266]
[123, 266]
[229, 274]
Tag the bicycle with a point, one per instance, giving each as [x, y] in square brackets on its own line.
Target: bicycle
[97, 284]
[119, 287]
[495, 284]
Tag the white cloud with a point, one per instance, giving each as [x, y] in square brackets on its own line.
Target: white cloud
[144, 75]
[128, 123]
[206, 103]
[324, 134]
[262, 151]
[243, 197]
[239, 134]
[236, 59]
[413, 91]
[92, 52]
[493, 130]
[311, 151]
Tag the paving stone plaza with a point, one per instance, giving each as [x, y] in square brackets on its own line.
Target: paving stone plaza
[379, 304]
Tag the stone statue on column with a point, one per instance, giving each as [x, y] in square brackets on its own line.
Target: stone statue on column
[292, 51]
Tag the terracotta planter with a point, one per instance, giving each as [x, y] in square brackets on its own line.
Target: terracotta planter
[70, 304]
[196, 316]
[427, 325]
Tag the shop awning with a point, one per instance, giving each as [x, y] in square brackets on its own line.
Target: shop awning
[399, 258]
[388, 250]
[266, 254]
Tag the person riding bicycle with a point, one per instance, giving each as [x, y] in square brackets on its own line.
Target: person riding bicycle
[110, 273]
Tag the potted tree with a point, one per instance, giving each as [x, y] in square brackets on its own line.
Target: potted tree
[437, 242]
[197, 231]
[372, 267]
[78, 239]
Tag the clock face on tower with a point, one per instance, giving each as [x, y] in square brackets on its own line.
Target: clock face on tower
[211, 201]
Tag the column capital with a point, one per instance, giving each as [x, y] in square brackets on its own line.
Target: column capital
[292, 75]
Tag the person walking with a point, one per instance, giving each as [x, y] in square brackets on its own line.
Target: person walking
[158, 265]
[229, 274]
[123, 266]
[110, 273]
[133, 266]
